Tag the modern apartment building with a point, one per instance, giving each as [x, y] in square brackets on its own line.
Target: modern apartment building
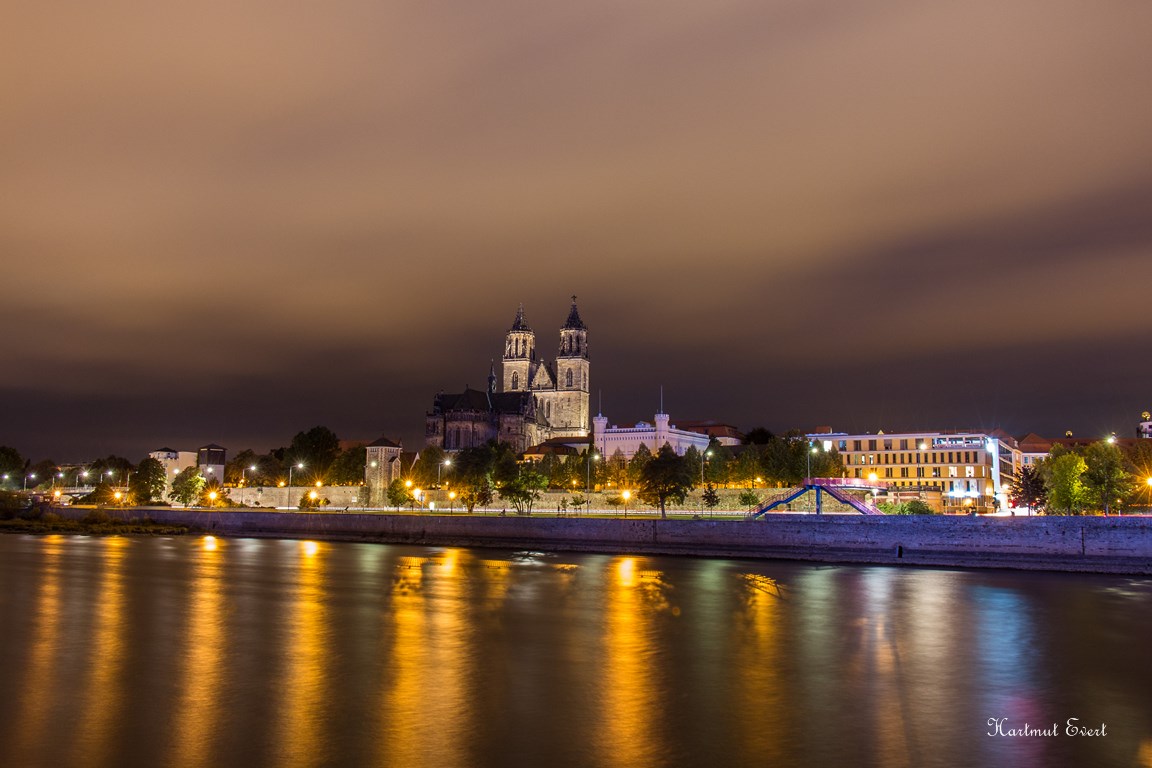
[967, 469]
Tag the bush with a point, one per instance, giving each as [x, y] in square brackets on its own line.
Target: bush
[96, 517]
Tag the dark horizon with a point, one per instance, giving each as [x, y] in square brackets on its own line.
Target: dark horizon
[870, 217]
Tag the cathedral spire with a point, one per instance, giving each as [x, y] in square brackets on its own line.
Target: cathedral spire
[491, 377]
[519, 324]
[574, 320]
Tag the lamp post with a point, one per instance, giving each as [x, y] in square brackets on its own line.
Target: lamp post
[26, 479]
[592, 456]
[244, 474]
[626, 495]
[291, 467]
[704, 456]
[811, 450]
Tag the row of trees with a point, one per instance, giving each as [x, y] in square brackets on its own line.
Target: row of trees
[314, 455]
[484, 473]
[776, 461]
[1099, 477]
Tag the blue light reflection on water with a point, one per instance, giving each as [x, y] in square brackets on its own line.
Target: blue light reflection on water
[200, 651]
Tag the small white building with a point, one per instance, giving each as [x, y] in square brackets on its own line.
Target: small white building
[608, 439]
[174, 462]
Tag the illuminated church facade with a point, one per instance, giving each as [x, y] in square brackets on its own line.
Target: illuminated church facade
[532, 401]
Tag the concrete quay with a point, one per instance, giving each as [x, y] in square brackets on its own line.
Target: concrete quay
[1079, 544]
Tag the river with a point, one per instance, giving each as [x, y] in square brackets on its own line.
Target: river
[195, 651]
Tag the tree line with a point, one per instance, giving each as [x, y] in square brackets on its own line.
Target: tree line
[1100, 477]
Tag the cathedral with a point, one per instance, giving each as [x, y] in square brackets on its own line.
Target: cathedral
[536, 399]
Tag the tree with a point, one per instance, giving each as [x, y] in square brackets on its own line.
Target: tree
[1106, 479]
[348, 468]
[478, 494]
[917, 507]
[187, 486]
[1028, 489]
[666, 476]
[1065, 486]
[710, 497]
[398, 494]
[112, 468]
[149, 481]
[693, 458]
[747, 466]
[237, 469]
[523, 490]
[425, 471]
[11, 464]
[616, 469]
[716, 465]
[312, 500]
[637, 463]
[749, 499]
[317, 449]
[758, 436]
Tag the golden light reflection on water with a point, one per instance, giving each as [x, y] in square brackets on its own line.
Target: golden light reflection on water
[102, 692]
[198, 713]
[303, 686]
[761, 698]
[631, 705]
[32, 716]
[426, 704]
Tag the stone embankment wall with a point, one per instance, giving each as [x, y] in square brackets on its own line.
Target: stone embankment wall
[348, 496]
[1094, 544]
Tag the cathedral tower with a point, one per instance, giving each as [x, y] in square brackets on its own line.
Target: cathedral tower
[519, 354]
[569, 416]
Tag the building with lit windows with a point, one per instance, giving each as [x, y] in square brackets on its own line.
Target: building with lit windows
[966, 469]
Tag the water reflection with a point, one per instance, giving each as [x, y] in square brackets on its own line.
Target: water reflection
[302, 688]
[203, 652]
[630, 706]
[425, 706]
[761, 698]
[32, 717]
[103, 690]
[198, 711]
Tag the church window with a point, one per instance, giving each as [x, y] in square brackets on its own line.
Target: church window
[515, 380]
[568, 378]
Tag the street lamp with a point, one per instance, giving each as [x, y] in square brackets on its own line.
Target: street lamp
[445, 463]
[811, 450]
[26, 479]
[626, 495]
[592, 456]
[244, 474]
[703, 457]
[290, 468]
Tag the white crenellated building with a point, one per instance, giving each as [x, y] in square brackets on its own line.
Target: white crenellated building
[606, 440]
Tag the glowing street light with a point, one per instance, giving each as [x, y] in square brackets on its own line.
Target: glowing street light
[291, 467]
[592, 456]
[26, 479]
[244, 473]
[626, 495]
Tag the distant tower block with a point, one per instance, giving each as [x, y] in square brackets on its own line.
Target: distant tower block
[1144, 428]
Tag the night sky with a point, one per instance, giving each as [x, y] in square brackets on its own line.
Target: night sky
[230, 221]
